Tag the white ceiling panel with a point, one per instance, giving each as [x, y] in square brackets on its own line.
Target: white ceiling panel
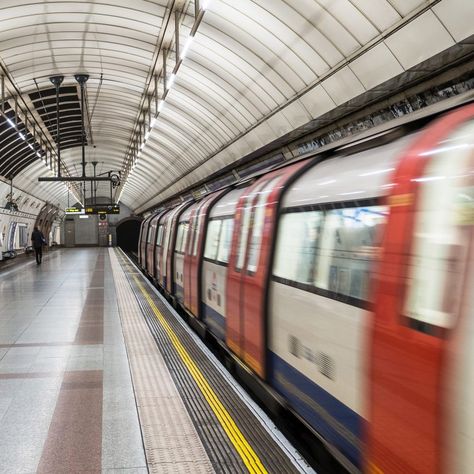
[457, 16]
[255, 71]
[377, 65]
[343, 85]
[419, 40]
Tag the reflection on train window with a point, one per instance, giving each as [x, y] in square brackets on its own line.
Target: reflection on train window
[197, 232]
[245, 225]
[148, 235]
[257, 225]
[296, 248]
[219, 239]
[347, 248]
[225, 240]
[181, 237]
[184, 236]
[212, 239]
[330, 250]
[443, 223]
[159, 235]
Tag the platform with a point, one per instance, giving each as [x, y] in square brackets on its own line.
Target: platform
[98, 374]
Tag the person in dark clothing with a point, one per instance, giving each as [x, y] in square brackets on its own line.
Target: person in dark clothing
[38, 240]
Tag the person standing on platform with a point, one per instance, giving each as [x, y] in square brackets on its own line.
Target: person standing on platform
[38, 240]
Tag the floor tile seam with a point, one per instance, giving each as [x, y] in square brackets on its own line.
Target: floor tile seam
[141, 323]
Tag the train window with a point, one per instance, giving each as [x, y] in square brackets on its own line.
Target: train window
[197, 231]
[181, 237]
[212, 239]
[257, 225]
[443, 223]
[296, 247]
[225, 240]
[245, 224]
[159, 235]
[148, 235]
[348, 245]
[185, 236]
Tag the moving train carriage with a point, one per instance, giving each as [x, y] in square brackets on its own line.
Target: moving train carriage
[328, 237]
[422, 352]
[247, 275]
[180, 250]
[150, 244]
[194, 253]
[165, 264]
[215, 259]
[143, 242]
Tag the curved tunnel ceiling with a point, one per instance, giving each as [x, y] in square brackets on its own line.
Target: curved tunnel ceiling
[254, 71]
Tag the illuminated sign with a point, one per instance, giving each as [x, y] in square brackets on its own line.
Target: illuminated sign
[74, 210]
[103, 209]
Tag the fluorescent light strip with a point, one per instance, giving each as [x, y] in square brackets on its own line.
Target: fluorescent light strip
[186, 47]
[171, 81]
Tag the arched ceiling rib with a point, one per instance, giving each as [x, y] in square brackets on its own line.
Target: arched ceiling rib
[256, 70]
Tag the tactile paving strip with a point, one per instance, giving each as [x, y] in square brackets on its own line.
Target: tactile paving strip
[171, 442]
[220, 450]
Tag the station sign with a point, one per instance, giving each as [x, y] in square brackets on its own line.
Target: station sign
[103, 209]
[73, 210]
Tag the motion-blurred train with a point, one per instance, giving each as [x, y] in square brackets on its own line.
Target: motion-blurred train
[344, 282]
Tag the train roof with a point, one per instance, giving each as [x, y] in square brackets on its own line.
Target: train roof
[352, 177]
[227, 204]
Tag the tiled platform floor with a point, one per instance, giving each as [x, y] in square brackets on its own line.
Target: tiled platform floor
[66, 397]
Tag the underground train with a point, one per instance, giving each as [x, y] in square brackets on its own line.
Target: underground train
[343, 282]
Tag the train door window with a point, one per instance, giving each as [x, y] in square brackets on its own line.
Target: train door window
[181, 237]
[199, 220]
[212, 239]
[185, 236]
[296, 246]
[349, 243]
[159, 235]
[245, 225]
[257, 225]
[442, 228]
[225, 240]
[148, 234]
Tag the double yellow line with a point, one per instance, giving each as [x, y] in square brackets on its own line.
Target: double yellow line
[248, 455]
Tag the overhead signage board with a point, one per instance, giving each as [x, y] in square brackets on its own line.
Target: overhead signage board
[73, 210]
[103, 209]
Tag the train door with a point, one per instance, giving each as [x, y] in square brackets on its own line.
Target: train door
[181, 251]
[151, 247]
[193, 259]
[420, 376]
[248, 270]
[143, 242]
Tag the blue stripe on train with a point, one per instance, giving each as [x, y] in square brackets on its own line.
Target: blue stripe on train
[214, 321]
[336, 422]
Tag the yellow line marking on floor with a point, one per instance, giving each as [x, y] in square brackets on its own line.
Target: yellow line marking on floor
[246, 452]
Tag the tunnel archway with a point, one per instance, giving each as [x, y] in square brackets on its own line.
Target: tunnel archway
[128, 232]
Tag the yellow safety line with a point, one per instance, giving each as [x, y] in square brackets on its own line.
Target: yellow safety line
[248, 455]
